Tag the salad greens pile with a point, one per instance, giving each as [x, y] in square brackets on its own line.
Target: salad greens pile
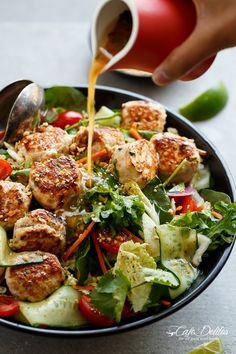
[166, 264]
[157, 235]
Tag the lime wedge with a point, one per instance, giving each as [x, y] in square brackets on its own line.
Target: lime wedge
[213, 347]
[207, 105]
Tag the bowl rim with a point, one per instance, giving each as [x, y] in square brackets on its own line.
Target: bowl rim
[124, 327]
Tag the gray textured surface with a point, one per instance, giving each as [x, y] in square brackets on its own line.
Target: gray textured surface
[49, 44]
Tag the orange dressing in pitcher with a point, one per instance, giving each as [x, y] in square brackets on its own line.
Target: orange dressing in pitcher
[114, 39]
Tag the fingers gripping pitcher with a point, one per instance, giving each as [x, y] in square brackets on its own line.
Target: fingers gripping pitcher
[153, 28]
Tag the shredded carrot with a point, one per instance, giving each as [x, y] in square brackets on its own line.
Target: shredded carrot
[132, 236]
[80, 239]
[180, 207]
[202, 152]
[84, 287]
[216, 215]
[166, 303]
[99, 252]
[97, 155]
[135, 134]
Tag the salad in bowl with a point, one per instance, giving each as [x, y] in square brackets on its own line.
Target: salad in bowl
[83, 251]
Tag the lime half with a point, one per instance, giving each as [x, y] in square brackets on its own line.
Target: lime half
[207, 105]
[213, 347]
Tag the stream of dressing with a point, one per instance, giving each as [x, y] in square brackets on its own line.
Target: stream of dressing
[114, 39]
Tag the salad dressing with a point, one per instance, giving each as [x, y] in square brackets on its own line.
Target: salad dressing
[114, 39]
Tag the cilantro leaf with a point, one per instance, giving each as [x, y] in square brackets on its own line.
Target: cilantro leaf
[110, 294]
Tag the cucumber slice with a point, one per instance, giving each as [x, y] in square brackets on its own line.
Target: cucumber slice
[203, 244]
[58, 310]
[106, 117]
[178, 246]
[150, 236]
[160, 276]
[185, 272]
[12, 259]
[177, 242]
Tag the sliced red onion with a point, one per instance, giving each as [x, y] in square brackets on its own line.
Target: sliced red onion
[197, 198]
[187, 191]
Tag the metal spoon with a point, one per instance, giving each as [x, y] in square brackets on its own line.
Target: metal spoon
[20, 105]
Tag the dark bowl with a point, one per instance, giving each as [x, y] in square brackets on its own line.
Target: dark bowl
[210, 267]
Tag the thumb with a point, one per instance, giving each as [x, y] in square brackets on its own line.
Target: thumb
[197, 47]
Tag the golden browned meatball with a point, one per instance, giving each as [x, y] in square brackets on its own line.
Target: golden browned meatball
[14, 203]
[55, 183]
[39, 230]
[46, 142]
[136, 161]
[172, 150]
[103, 138]
[34, 282]
[145, 115]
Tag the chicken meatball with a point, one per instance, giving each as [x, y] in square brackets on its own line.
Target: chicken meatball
[46, 142]
[34, 282]
[56, 182]
[136, 161]
[172, 150]
[39, 230]
[14, 203]
[145, 115]
[103, 138]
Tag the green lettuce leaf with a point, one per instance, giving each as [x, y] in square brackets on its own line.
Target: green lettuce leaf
[214, 196]
[157, 195]
[67, 97]
[131, 260]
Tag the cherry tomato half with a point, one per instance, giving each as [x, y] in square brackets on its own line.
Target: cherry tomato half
[127, 311]
[5, 169]
[67, 118]
[2, 133]
[108, 242]
[187, 203]
[8, 306]
[93, 315]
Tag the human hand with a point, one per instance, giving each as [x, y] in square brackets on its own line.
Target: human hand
[215, 30]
